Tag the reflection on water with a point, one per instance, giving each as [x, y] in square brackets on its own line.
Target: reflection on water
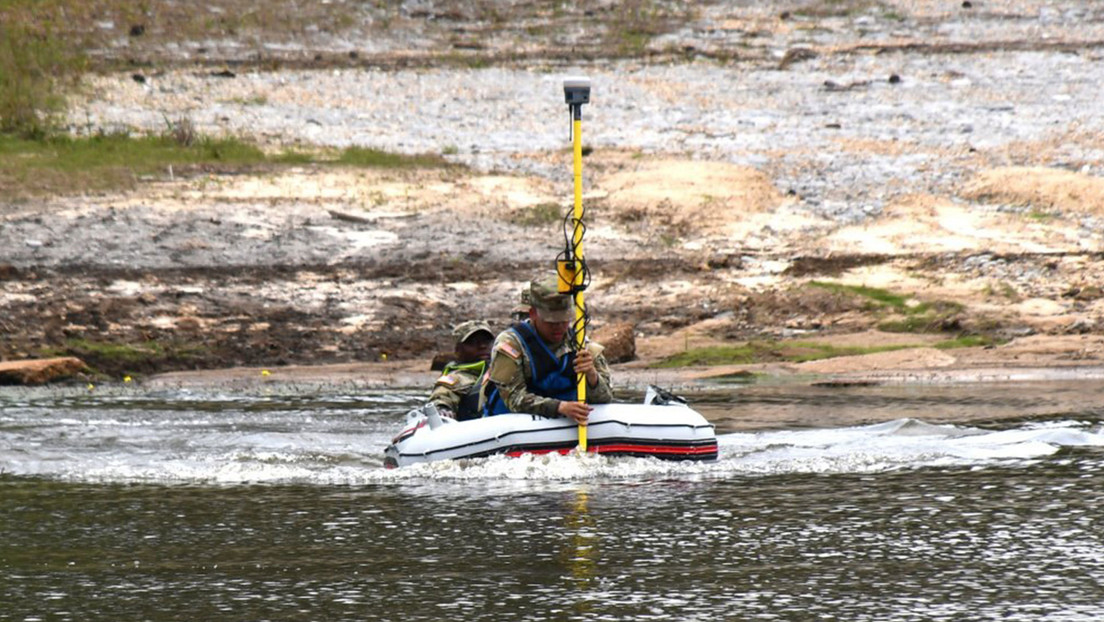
[186, 507]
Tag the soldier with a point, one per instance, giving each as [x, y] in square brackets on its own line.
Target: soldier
[456, 392]
[534, 369]
[521, 311]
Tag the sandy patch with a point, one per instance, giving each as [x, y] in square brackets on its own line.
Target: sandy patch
[1043, 189]
[362, 193]
[876, 337]
[693, 195]
[927, 224]
[480, 192]
[913, 358]
[701, 335]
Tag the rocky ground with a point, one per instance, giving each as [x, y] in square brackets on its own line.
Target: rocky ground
[749, 169]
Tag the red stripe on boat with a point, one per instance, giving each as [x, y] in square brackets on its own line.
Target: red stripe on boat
[623, 448]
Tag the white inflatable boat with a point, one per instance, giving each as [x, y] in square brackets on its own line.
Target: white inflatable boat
[670, 431]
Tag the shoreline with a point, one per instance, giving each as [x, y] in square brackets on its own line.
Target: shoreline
[1049, 360]
[926, 200]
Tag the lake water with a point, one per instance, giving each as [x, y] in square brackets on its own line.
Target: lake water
[129, 505]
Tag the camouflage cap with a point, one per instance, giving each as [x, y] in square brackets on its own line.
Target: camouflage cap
[521, 309]
[463, 330]
[551, 305]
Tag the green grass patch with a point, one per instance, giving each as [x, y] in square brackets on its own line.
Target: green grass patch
[119, 359]
[768, 352]
[880, 297]
[539, 215]
[105, 162]
[835, 8]
[60, 165]
[913, 316]
[715, 355]
[969, 341]
[912, 324]
[374, 158]
[633, 42]
[293, 157]
[38, 62]
[799, 352]
[115, 352]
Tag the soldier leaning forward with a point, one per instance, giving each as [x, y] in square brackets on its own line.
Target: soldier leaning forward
[534, 369]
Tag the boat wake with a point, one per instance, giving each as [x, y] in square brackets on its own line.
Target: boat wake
[893, 445]
[239, 442]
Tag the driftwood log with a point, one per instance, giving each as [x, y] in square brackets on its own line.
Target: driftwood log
[40, 371]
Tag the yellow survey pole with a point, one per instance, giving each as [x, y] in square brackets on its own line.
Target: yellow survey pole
[571, 271]
[577, 247]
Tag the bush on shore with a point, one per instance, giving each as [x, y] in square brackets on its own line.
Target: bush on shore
[37, 62]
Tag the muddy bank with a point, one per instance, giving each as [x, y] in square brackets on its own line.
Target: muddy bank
[905, 168]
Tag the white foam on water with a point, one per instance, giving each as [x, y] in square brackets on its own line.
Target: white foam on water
[244, 445]
[903, 443]
[552, 467]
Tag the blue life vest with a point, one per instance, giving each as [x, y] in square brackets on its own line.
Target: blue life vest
[552, 377]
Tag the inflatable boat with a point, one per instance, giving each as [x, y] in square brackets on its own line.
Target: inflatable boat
[665, 429]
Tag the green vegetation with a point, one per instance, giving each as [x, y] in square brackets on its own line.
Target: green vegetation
[766, 352]
[968, 341]
[374, 158]
[919, 317]
[1002, 289]
[633, 42]
[879, 297]
[103, 162]
[42, 45]
[905, 315]
[539, 215]
[116, 352]
[634, 23]
[797, 352]
[836, 8]
[36, 64]
[128, 358]
[60, 164]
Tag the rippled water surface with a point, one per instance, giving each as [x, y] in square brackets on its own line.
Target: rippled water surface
[186, 506]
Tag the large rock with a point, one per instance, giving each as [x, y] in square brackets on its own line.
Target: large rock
[40, 371]
[619, 341]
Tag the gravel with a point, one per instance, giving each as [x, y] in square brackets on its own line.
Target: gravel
[899, 99]
[843, 150]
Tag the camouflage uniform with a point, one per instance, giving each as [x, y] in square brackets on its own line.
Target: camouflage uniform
[454, 384]
[456, 391]
[511, 371]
